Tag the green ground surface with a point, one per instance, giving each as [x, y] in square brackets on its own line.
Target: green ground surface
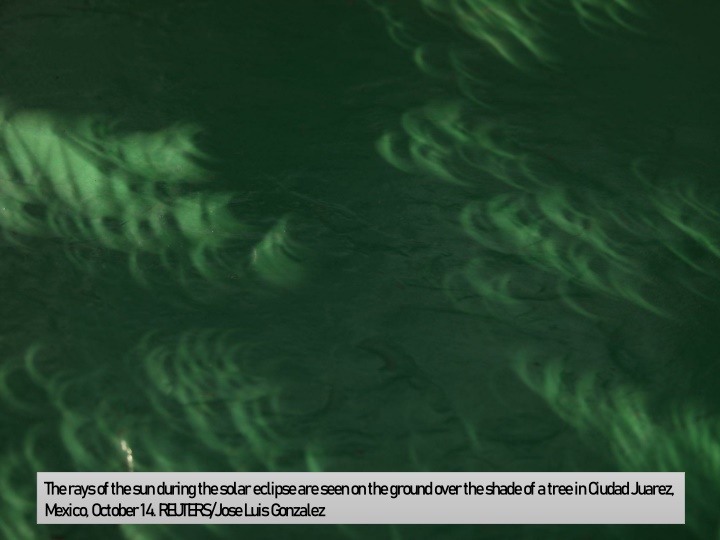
[325, 301]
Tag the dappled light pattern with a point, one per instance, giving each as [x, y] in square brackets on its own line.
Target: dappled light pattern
[170, 311]
[582, 234]
[81, 180]
[596, 236]
[215, 400]
[446, 140]
[585, 243]
[201, 386]
[191, 402]
[626, 238]
[638, 437]
[515, 30]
